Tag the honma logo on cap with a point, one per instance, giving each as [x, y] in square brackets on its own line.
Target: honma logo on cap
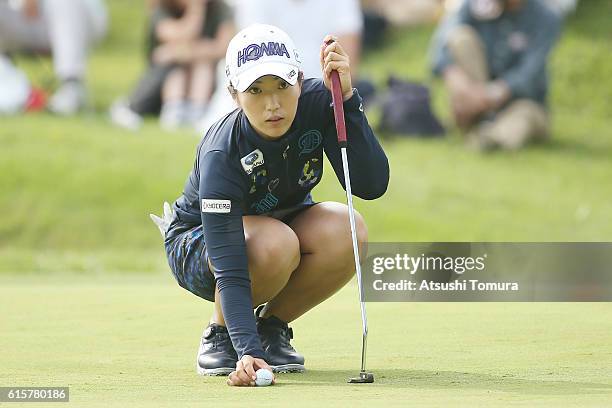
[253, 52]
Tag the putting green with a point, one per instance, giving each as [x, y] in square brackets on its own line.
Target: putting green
[131, 341]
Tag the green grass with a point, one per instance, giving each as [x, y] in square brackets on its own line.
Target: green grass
[131, 341]
[82, 186]
[88, 301]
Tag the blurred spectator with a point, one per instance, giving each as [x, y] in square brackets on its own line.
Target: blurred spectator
[15, 88]
[186, 39]
[405, 13]
[17, 94]
[562, 7]
[67, 29]
[307, 22]
[493, 57]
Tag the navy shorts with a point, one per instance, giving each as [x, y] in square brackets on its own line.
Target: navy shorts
[188, 258]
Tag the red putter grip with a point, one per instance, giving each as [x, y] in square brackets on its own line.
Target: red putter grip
[338, 108]
[338, 102]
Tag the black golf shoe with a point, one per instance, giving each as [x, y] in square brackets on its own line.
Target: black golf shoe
[275, 336]
[216, 355]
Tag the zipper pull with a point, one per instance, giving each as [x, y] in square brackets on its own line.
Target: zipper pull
[285, 152]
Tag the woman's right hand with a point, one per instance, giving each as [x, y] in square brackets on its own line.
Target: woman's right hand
[244, 375]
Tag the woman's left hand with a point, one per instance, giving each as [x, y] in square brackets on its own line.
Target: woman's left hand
[333, 57]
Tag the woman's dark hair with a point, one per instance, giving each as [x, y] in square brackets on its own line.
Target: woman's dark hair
[176, 7]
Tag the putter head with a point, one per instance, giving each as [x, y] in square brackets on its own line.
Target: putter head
[364, 378]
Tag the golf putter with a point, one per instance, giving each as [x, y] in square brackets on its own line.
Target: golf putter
[364, 376]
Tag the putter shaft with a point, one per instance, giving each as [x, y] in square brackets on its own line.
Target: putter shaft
[337, 99]
[349, 199]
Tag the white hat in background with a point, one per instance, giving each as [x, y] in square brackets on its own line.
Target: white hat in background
[260, 50]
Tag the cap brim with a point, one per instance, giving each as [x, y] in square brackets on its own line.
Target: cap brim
[288, 72]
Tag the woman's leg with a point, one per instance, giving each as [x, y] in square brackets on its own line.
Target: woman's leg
[326, 263]
[202, 82]
[174, 93]
[175, 86]
[273, 253]
[146, 98]
[291, 283]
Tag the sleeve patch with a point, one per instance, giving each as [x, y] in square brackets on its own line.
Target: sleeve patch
[216, 206]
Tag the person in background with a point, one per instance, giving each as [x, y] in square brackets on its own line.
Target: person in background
[493, 57]
[186, 39]
[65, 28]
[405, 13]
[562, 7]
[307, 22]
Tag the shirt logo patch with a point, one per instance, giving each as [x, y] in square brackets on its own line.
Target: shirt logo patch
[310, 173]
[266, 204]
[259, 178]
[216, 206]
[273, 184]
[252, 160]
[309, 141]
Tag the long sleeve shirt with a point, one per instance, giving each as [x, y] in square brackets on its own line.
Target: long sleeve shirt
[237, 172]
[516, 45]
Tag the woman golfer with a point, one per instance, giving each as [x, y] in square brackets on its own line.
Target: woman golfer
[246, 231]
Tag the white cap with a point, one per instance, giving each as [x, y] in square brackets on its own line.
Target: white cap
[260, 50]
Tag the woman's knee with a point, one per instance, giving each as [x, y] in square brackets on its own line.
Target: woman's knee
[463, 37]
[335, 237]
[362, 229]
[273, 250]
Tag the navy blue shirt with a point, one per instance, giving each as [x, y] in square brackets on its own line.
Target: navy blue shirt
[237, 172]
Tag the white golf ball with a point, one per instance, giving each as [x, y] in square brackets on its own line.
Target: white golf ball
[264, 377]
